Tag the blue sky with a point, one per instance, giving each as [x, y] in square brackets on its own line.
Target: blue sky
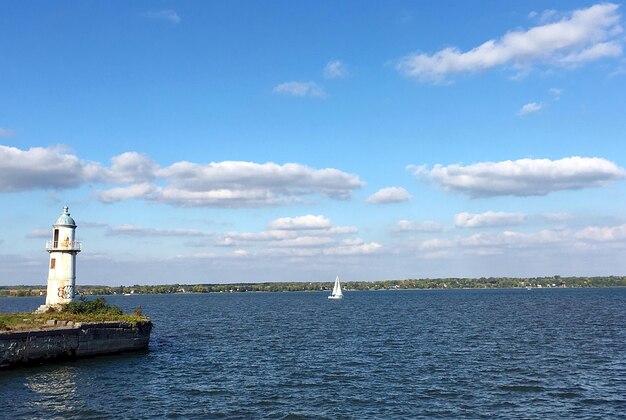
[245, 141]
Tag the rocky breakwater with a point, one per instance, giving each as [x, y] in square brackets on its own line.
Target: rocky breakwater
[70, 340]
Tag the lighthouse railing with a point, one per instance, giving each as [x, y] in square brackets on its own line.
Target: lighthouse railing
[64, 245]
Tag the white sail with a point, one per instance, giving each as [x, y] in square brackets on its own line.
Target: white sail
[337, 293]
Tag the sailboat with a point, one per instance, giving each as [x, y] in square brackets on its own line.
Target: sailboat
[336, 294]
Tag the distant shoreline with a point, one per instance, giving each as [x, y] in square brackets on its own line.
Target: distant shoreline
[408, 284]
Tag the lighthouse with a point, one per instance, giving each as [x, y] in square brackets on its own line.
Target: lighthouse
[63, 249]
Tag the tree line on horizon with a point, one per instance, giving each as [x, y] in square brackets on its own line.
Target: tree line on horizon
[441, 283]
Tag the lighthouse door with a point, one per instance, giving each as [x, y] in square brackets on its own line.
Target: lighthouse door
[56, 238]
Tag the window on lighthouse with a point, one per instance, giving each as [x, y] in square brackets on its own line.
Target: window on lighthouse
[53, 263]
[56, 238]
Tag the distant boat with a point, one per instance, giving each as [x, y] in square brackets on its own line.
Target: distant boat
[336, 294]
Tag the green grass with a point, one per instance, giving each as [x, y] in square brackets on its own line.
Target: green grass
[26, 320]
[83, 310]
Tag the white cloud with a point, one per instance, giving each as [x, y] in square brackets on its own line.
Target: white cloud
[389, 195]
[291, 231]
[557, 216]
[603, 233]
[305, 241]
[496, 243]
[581, 36]
[434, 244]
[512, 239]
[545, 16]
[40, 233]
[183, 184]
[228, 184]
[524, 177]
[529, 108]
[96, 256]
[13, 264]
[555, 93]
[96, 224]
[530, 243]
[435, 255]
[167, 15]
[43, 168]
[200, 256]
[249, 184]
[289, 176]
[418, 170]
[5, 132]
[53, 168]
[411, 226]
[130, 167]
[301, 222]
[223, 197]
[607, 49]
[238, 238]
[361, 249]
[313, 250]
[353, 241]
[134, 230]
[335, 69]
[487, 219]
[341, 230]
[300, 89]
[142, 191]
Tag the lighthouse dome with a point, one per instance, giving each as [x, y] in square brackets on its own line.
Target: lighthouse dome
[65, 219]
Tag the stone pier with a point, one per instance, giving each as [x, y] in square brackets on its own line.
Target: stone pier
[66, 340]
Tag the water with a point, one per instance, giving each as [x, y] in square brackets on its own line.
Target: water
[406, 354]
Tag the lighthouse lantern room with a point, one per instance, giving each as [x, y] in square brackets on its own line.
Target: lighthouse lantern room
[63, 249]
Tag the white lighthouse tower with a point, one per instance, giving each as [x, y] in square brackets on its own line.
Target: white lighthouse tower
[63, 249]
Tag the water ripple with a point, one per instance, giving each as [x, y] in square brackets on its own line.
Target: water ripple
[439, 354]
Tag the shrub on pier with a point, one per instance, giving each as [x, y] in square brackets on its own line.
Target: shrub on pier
[96, 307]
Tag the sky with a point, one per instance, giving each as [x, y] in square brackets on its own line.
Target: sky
[242, 141]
